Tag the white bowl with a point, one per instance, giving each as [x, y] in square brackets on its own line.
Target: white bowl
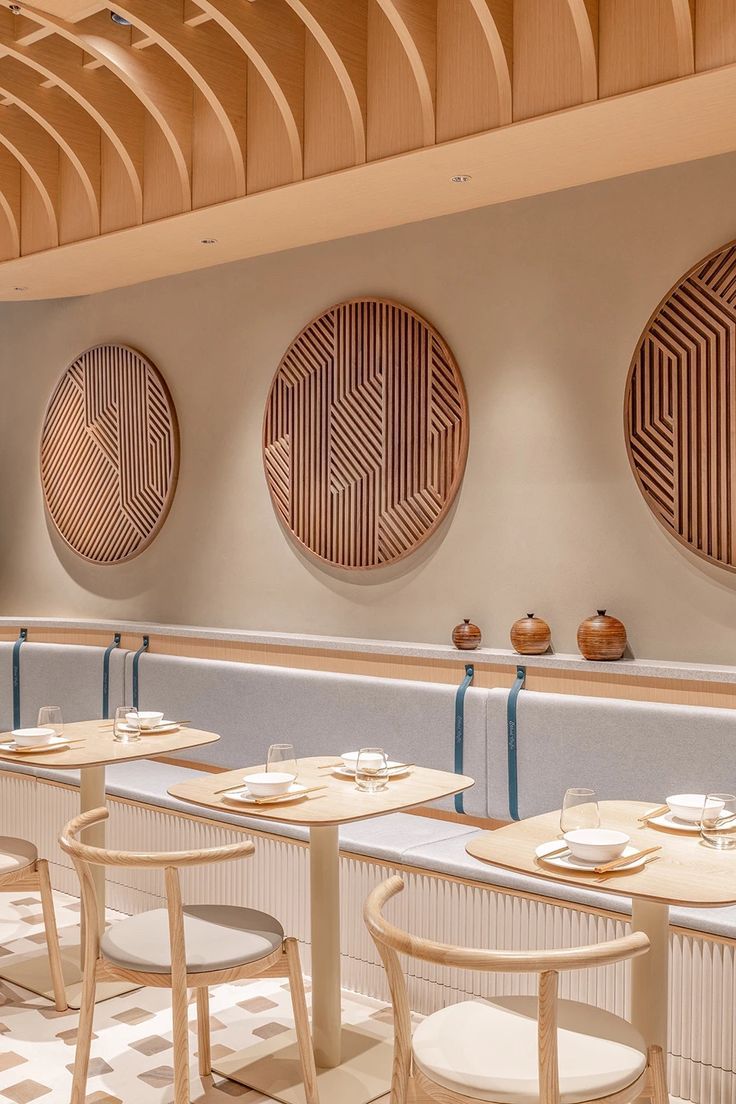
[268, 784]
[147, 718]
[596, 844]
[689, 807]
[33, 737]
[370, 760]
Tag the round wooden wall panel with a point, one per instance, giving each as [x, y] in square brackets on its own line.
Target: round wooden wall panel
[680, 410]
[109, 454]
[365, 434]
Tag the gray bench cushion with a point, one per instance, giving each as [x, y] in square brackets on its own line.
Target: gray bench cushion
[642, 751]
[68, 675]
[321, 713]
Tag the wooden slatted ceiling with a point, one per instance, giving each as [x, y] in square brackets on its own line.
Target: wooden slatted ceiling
[197, 102]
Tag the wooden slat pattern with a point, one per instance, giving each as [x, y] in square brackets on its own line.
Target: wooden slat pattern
[681, 410]
[109, 454]
[365, 434]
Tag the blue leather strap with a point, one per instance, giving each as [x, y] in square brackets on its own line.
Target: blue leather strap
[136, 661]
[106, 676]
[511, 745]
[16, 676]
[460, 729]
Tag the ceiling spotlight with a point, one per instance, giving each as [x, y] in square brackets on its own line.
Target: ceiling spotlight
[461, 178]
[120, 19]
[208, 241]
[15, 9]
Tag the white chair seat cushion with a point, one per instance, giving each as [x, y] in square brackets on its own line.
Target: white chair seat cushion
[15, 854]
[488, 1051]
[216, 937]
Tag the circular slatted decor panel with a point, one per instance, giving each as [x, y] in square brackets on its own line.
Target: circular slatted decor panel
[365, 434]
[109, 454]
[680, 410]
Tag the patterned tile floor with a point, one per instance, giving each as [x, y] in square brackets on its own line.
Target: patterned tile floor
[131, 1052]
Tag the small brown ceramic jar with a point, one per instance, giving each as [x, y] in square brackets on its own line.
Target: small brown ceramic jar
[466, 636]
[602, 637]
[530, 635]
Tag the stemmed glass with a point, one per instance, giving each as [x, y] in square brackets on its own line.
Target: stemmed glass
[282, 758]
[579, 810]
[49, 716]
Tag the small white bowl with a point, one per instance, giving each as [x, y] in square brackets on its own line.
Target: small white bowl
[689, 807]
[33, 737]
[147, 718]
[596, 844]
[370, 760]
[268, 784]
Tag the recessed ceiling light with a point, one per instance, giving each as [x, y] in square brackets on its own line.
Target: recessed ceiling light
[461, 178]
[208, 241]
[120, 19]
[15, 9]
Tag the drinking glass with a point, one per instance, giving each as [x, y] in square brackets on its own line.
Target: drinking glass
[126, 726]
[282, 758]
[49, 716]
[718, 821]
[579, 810]
[371, 770]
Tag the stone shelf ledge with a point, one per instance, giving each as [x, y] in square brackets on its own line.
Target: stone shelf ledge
[629, 668]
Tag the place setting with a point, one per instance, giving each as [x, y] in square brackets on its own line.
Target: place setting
[368, 768]
[130, 724]
[277, 785]
[46, 737]
[711, 816]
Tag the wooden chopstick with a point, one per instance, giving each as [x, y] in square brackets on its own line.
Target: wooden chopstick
[393, 767]
[273, 797]
[660, 811]
[610, 874]
[557, 851]
[179, 724]
[624, 860]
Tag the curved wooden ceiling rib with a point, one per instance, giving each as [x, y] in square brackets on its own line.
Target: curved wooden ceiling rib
[415, 25]
[340, 30]
[272, 38]
[555, 58]
[159, 83]
[644, 44]
[38, 154]
[65, 121]
[10, 202]
[496, 21]
[106, 100]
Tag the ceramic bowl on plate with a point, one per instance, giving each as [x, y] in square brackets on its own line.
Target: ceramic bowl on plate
[689, 807]
[33, 737]
[371, 761]
[147, 718]
[596, 844]
[269, 783]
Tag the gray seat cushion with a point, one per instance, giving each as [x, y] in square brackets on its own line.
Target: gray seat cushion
[216, 937]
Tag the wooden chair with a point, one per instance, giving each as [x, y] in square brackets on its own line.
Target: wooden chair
[513, 1050]
[21, 868]
[179, 947]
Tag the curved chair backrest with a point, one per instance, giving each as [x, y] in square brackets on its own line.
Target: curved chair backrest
[84, 855]
[392, 941]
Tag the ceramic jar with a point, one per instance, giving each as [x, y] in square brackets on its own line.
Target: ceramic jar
[530, 635]
[602, 637]
[466, 636]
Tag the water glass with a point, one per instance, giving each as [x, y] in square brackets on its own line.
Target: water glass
[49, 716]
[282, 759]
[127, 725]
[371, 770]
[718, 821]
[579, 810]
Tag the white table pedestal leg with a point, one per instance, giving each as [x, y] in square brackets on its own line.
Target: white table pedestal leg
[354, 1061]
[650, 973]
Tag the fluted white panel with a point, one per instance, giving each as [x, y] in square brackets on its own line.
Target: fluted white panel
[276, 879]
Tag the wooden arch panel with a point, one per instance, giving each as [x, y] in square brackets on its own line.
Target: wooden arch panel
[680, 410]
[109, 454]
[365, 434]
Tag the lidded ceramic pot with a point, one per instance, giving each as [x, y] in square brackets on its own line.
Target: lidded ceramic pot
[602, 637]
[530, 635]
[466, 636]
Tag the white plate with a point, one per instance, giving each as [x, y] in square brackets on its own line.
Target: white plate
[56, 742]
[394, 770]
[245, 797]
[157, 730]
[669, 820]
[567, 862]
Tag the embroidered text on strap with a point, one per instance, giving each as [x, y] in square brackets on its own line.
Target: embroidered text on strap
[136, 661]
[460, 729]
[106, 676]
[511, 736]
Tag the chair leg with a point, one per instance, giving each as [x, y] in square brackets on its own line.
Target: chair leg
[52, 935]
[658, 1075]
[203, 1031]
[84, 1033]
[179, 1009]
[301, 1020]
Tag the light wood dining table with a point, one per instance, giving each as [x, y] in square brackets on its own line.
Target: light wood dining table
[354, 1064]
[686, 872]
[92, 749]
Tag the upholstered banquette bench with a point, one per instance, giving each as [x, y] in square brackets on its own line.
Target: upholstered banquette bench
[620, 748]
